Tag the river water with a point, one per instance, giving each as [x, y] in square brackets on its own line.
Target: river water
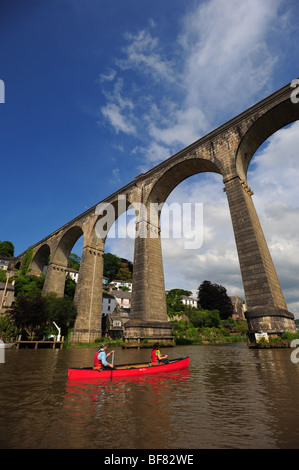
[230, 397]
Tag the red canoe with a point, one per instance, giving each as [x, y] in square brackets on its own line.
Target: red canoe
[126, 370]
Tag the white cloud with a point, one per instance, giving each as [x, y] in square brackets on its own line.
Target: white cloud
[118, 110]
[142, 53]
[119, 121]
[223, 60]
[273, 175]
[109, 76]
[115, 176]
[228, 58]
[226, 54]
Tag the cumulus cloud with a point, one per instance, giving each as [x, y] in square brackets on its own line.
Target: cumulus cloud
[226, 54]
[223, 60]
[228, 57]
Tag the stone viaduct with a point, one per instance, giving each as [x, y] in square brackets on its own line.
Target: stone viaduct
[228, 151]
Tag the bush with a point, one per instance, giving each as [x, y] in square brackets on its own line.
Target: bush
[204, 318]
[290, 335]
[7, 329]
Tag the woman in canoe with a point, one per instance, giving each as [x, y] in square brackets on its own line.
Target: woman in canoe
[100, 359]
[157, 357]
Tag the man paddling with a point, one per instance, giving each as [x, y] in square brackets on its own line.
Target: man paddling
[100, 358]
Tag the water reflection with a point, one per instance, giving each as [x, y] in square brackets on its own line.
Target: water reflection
[230, 397]
[136, 410]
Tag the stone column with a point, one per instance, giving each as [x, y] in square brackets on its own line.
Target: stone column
[88, 296]
[55, 279]
[148, 317]
[267, 310]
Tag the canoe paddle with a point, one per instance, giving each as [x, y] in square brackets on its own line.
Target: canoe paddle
[112, 366]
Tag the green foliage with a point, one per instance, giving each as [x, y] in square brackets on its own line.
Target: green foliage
[37, 315]
[7, 328]
[204, 318]
[6, 248]
[62, 310]
[125, 289]
[70, 287]
[214, 296]
[174, 301]
[290, 335]
[74, 261]
[124, 274]
[29, 286]
[29, 314]
[189, 332]
[2, 276]
[25, 266]
[112, 264]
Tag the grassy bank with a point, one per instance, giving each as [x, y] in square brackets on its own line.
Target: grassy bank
[230, 331]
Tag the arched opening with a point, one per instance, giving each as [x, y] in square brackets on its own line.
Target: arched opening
[178, 173]
[200, 241]
[58, 269]
[66, 244]
[40, 260]
[118, 273]
[276, 118]
[273, 174]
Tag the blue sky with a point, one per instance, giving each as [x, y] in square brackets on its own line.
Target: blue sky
[97, 92]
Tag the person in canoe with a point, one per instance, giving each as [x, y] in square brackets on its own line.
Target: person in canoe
[157, 358]
[100, 359]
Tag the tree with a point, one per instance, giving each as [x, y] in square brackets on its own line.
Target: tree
[70, 287]
[214, 297]
[62, 310]
[124, 274]
[74, 261]
[112, 264]
[29, 315]
[7, 329]
[29, 286]
[174, 300]
[204, 318]
[6, 248]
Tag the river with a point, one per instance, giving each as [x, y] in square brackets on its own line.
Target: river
[231, 397]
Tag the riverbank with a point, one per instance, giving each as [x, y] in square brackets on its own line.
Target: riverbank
[185, 333]
[276, 341]
[231, 331]
[228, 332]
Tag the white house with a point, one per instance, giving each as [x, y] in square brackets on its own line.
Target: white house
[119, 284]
[189, 301]
[73, 273]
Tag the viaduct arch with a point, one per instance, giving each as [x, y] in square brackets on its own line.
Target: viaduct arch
[227, 151]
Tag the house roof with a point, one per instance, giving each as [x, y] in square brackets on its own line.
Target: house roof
[122, 294]
[107, 295]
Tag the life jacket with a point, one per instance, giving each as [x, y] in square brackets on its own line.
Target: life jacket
[97, 363]
[154, 357]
